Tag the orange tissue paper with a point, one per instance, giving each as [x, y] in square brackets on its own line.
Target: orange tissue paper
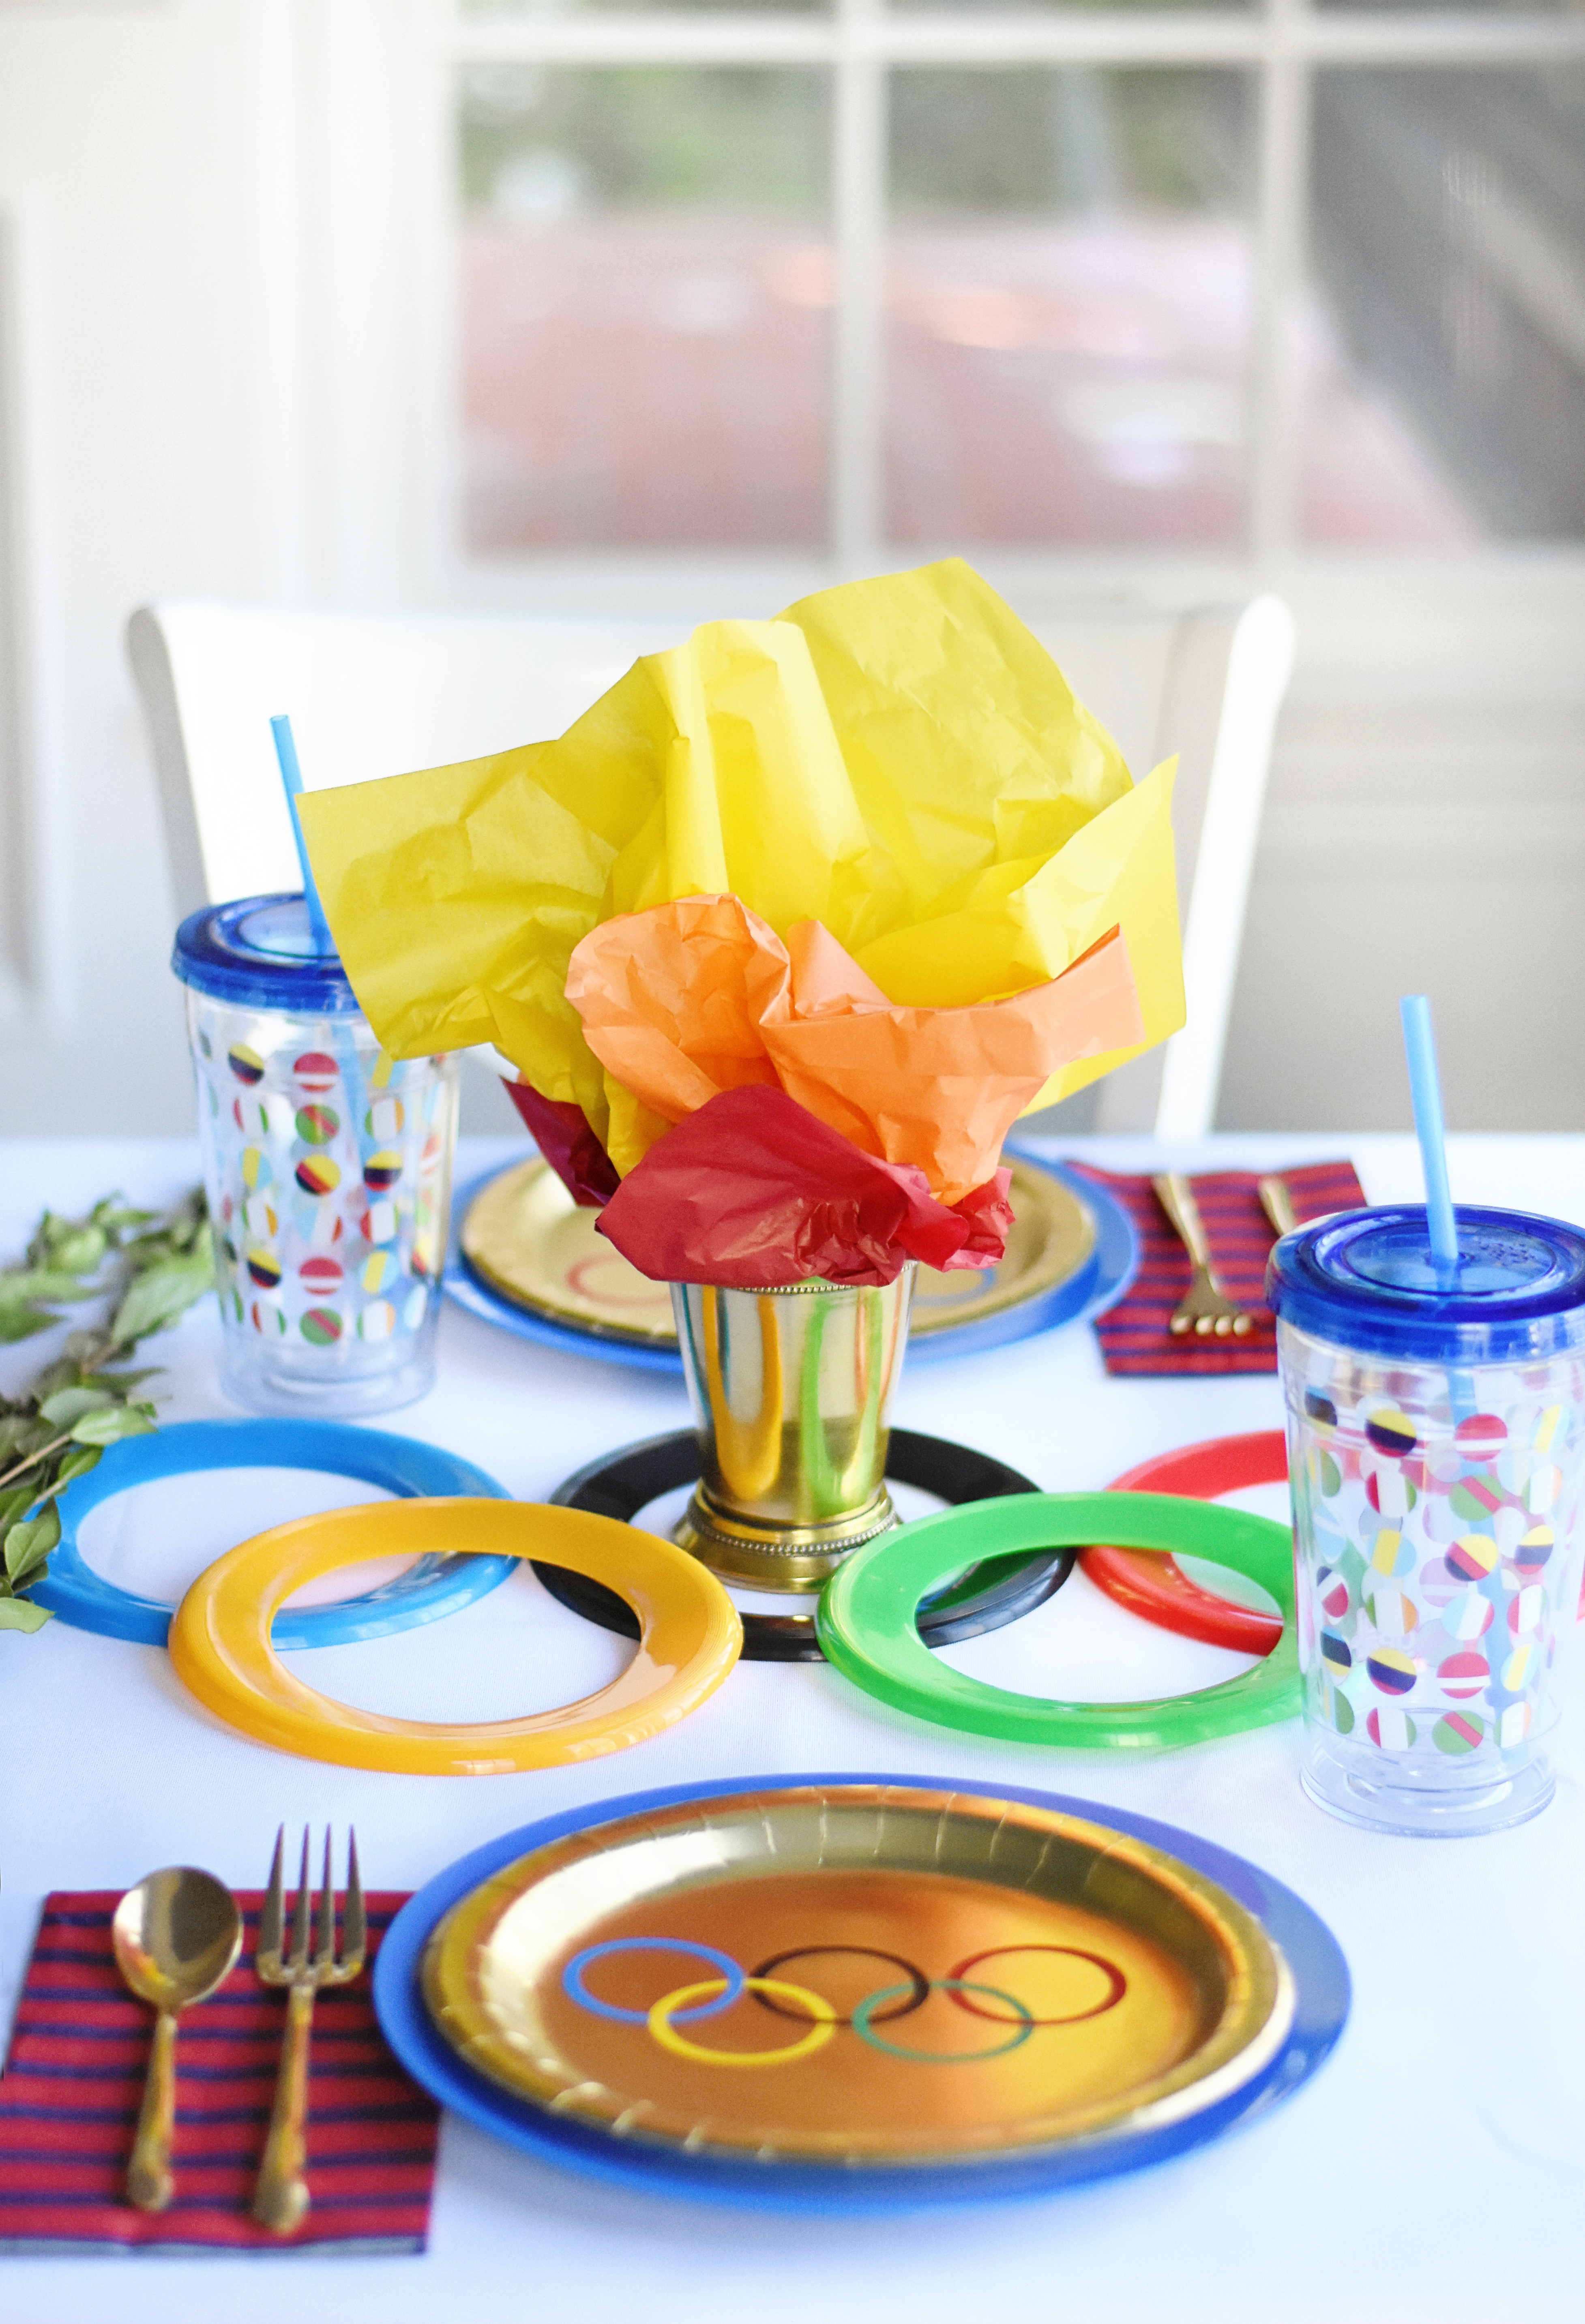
[693, 998]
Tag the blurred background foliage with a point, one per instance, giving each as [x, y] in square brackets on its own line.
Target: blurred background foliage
[544, 141]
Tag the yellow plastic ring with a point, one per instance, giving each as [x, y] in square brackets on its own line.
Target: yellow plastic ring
[690, 1636]
[667, 2035]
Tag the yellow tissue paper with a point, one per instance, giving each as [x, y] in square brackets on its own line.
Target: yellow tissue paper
[897, 758]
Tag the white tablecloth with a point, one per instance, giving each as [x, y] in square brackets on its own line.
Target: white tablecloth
[1431, 2170]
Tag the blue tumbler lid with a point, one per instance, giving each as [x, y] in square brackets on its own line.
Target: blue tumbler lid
[258, 953]
[1367, 1279]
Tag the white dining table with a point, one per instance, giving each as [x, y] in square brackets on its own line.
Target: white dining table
[1431, 2170]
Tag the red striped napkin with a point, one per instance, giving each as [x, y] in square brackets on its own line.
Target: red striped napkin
[1134, 1335]
[73, 2083]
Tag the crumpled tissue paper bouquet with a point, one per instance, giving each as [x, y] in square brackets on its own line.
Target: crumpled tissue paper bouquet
[785, 933]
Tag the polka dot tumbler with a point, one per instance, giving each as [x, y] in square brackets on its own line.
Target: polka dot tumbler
[327, 1166]
[1436, 1449]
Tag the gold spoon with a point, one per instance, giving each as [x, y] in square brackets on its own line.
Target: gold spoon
[177, 1934]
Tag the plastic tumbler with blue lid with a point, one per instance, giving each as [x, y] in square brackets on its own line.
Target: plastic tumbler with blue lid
[1436, 1429]
[327, 1166]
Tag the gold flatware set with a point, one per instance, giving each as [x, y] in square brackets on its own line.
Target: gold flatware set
[177, 1937]
[1205, 1309]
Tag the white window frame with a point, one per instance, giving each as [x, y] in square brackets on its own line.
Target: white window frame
[35, 983]
[1281, 42]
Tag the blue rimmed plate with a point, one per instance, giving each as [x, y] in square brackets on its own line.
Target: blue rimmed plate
[431, 1588]
[1074, 1262]
[1284, 2049]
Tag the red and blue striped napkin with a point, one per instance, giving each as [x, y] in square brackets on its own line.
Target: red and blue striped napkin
[73, 2084]
[1134, 1335]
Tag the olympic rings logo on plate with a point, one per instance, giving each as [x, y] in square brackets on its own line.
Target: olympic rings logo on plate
[712, 1995]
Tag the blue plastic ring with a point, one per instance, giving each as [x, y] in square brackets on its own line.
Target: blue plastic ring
[573, 1986]
[430, 1588]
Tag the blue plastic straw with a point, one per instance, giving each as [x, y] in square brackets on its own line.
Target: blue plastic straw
[343, 1045]
[1425, 1088]
[292, 777]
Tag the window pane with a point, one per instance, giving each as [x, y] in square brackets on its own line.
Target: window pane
[1443, 7]
[1069, 295]
[647, 273]
[1445, 334]
[1023, 7]
[543, 8]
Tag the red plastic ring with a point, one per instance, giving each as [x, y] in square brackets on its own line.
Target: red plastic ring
[1155, 1586]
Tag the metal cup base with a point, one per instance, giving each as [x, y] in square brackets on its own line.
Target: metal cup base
[794, 1558]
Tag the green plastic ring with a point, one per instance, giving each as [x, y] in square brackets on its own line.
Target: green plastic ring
[869, 1632]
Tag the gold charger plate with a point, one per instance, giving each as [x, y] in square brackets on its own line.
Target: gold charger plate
[532, 1244]
[856, 1975]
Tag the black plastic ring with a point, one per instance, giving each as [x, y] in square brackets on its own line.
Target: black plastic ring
[988, 1596]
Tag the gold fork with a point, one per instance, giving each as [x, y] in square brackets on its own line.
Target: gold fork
[1278, 1203]
[1205, 1308]
[281, 2199]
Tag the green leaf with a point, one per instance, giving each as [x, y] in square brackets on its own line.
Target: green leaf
[159, 1297]
[115, 1421]
[42, 1283]
[21, 1322]
[113, 1213]
[32, 1442]
[16, 1501]
[81, 1252]
[44, 1235]
[28, 1545]
[68, 1405]
[22, 1614]
[64, 1372]
[155, 1277]
[27, 1294]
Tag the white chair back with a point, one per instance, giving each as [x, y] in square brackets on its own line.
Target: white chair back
[375, 694]
[1207, 684]
[369, 695]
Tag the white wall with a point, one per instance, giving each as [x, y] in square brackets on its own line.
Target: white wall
[224, 375]
[1424, 830]
[118, 129]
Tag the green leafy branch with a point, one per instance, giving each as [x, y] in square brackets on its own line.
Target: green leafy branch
[149, 1270]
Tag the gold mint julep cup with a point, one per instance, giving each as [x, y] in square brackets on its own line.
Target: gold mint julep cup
[792, 1391]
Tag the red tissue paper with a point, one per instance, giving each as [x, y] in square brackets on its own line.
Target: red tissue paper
[751, 1192]
[562, 1134]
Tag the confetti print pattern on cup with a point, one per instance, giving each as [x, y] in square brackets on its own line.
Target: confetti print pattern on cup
[1436, 1522]
[328, 1165]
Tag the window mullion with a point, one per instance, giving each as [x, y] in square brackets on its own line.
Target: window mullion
[858, 322]
[1282, 179]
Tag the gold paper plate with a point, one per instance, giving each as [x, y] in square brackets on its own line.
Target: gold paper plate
[1027, 1978]
[528, 1240]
